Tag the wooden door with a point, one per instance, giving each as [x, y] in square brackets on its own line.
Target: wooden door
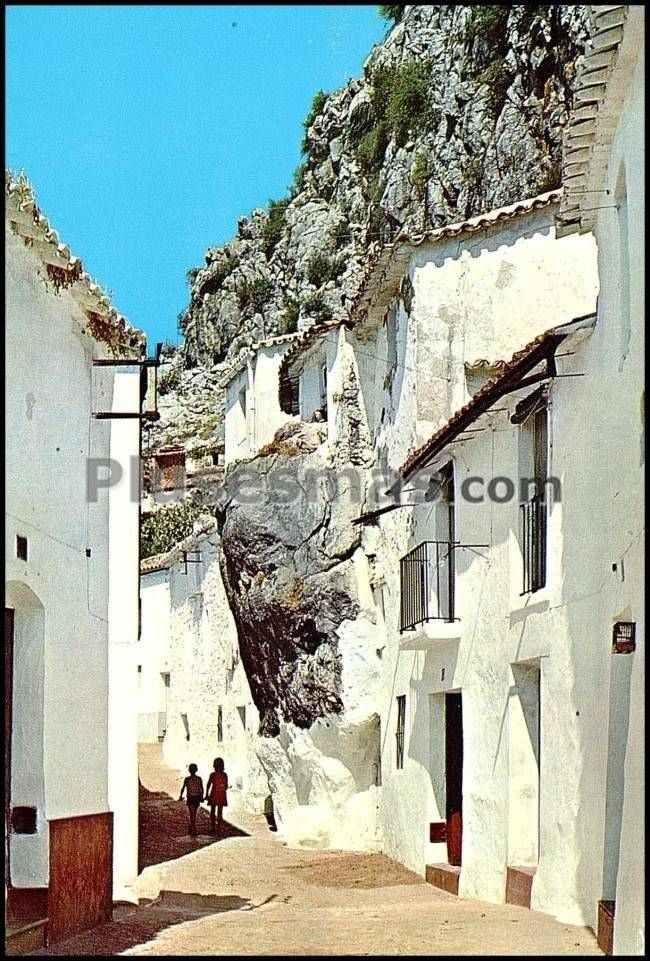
[9, 677]
[454, 775]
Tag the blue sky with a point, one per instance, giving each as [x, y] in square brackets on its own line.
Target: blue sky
[147, 131]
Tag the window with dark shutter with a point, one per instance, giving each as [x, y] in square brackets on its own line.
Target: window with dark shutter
[400, 731]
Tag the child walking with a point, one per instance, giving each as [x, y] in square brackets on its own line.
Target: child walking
[215, 793]
[193, 786]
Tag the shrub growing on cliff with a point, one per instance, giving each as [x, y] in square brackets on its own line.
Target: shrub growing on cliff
[298, 183]
[488, 23]
[393, 12]
[214, 280]
[321, 269]
[421, 170]
[372, 147]
[498, 76]
[317, 107]
[317, 308]
[274, 225]
[167, 526]
[169, 380]
[288, 320]
[407, 102]
[254, 293]
[400, 101]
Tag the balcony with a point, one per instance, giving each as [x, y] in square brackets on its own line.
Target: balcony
[427, 585]
[533, 543]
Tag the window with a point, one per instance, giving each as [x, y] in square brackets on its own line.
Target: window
[242, 714]
[445, 537]
[220, 724]
[428, 572]
[21, 548]
[294, 397]
[242, 400]
[399, 733]
[323, 387]
[534, 472]
[139, 676]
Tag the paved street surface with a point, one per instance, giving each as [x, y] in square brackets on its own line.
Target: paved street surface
[247, 893]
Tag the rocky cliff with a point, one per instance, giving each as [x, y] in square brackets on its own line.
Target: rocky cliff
[459, 110]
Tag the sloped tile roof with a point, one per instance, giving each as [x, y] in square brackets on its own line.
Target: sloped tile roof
[240, 362]
[589, 132]
[26, 220]
[511, 372]
[388, 264]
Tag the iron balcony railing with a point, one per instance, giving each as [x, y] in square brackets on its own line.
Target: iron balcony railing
[428, 583]
[533, 543]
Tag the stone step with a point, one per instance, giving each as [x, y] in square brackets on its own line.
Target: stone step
[444, 876]
[21, 938]
[519, 883]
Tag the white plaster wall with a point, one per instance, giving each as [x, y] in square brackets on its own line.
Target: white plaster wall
[152, 654]
[237, 436]
[323, 353]
[206, 672]
[267, 415]
[620, 363]
[50, 394]
[123, 630]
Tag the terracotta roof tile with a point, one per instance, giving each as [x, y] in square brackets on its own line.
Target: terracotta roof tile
[518, 365]
[589, 133]
[105, 324]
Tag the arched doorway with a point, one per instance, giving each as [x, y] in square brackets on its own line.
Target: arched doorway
[26, 832]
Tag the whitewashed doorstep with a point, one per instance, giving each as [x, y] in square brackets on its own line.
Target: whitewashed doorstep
[427, 635]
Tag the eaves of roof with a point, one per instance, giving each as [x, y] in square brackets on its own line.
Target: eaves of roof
[286, 375]
[542, 348]
[592, 122]
[104, 323]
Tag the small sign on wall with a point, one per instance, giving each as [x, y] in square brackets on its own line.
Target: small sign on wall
[624, 637]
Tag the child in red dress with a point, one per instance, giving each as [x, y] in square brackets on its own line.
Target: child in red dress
[215, 793]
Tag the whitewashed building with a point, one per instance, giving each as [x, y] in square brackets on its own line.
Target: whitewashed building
[66, 615]
[190, 644]
[438, 319]
[603, 167]
[252, 410]
[152, 656]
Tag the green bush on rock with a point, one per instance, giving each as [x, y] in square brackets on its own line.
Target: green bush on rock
[167, 526]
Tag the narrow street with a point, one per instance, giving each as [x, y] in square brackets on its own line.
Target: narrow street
[247, 893]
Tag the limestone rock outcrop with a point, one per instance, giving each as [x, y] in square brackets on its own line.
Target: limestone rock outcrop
[288, 549]
[480, 96]
[297, 584]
